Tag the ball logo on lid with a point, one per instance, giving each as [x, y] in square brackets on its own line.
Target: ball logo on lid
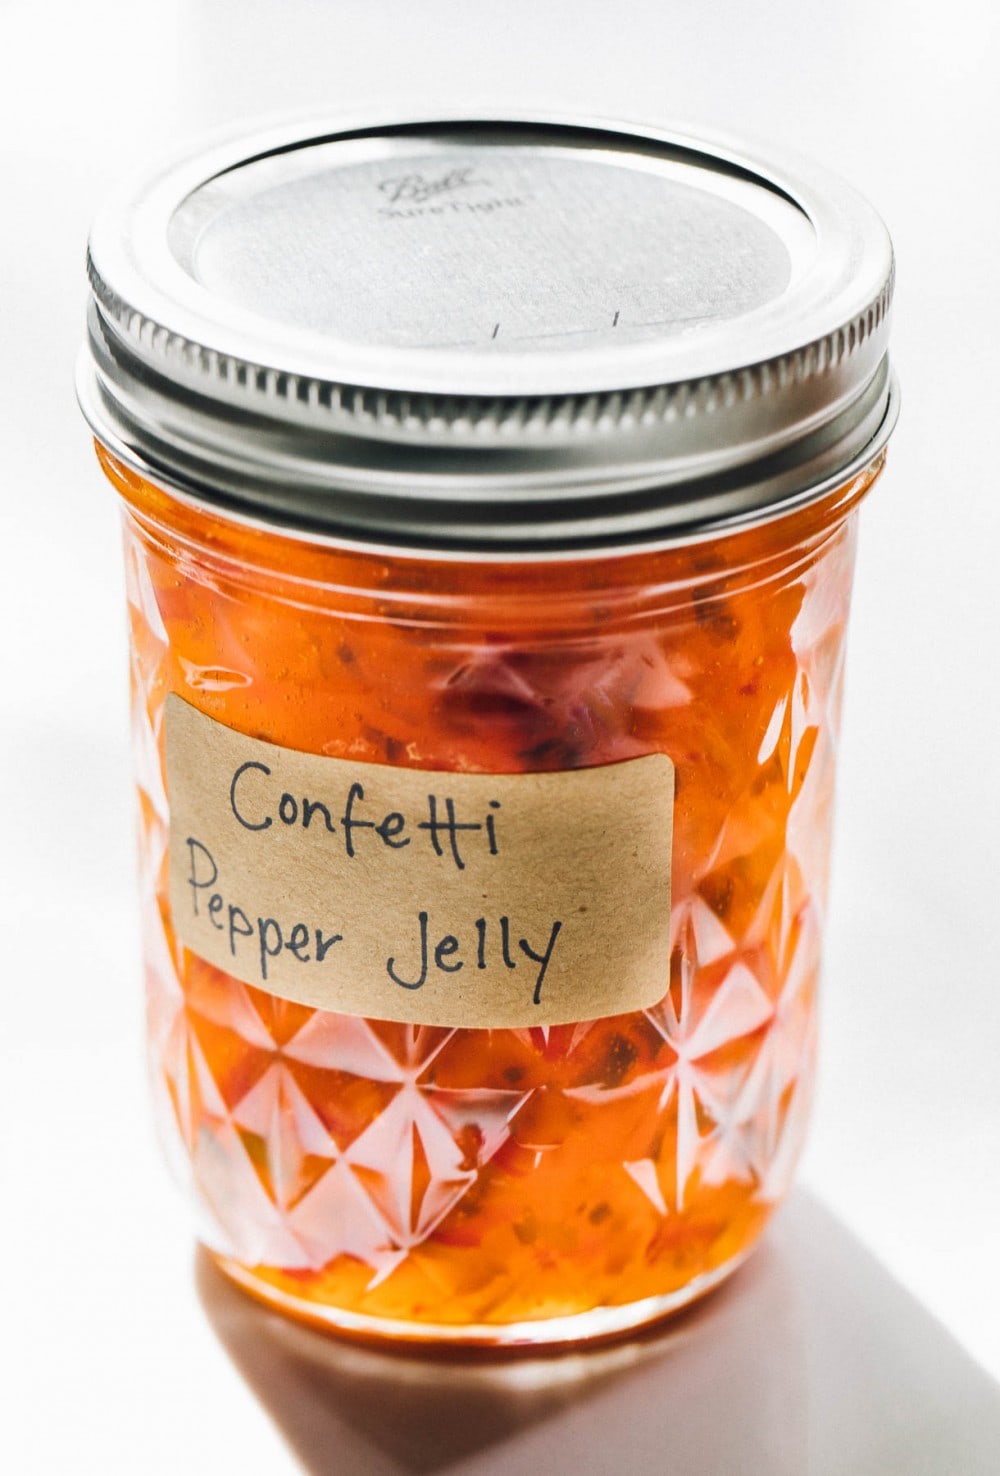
[417, 189]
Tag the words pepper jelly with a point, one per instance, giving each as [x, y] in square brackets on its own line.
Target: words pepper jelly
[489, 491]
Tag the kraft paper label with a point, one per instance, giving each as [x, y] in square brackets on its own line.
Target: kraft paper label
[423, 896]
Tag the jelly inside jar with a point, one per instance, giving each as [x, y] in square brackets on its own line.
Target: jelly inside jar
[502, 1184]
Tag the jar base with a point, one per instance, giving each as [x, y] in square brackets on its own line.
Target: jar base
[594, 1326]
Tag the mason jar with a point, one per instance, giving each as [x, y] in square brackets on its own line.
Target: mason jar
[490, 491]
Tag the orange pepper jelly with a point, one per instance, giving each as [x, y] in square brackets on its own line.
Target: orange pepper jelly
[490, 499]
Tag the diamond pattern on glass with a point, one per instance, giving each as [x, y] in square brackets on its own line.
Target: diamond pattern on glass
[312, 1141]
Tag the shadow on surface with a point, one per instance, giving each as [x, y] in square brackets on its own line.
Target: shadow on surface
[812, 1361]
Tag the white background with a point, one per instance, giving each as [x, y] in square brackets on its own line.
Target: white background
[114, 1366]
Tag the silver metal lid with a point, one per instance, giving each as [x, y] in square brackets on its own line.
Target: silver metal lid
[490, 335]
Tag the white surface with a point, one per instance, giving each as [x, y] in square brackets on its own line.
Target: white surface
[111, 1365]
[812, 1363]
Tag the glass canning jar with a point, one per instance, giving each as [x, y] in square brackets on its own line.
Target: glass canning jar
[490, 495]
